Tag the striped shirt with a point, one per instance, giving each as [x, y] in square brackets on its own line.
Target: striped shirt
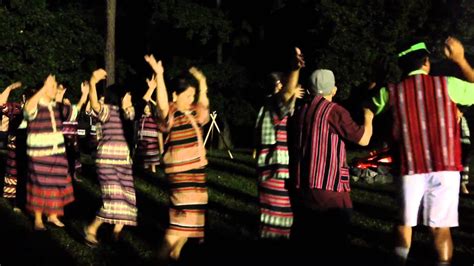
[425, 125]
[112, 147]
[45, 137]
[318, 154]
[184, 149]
[272, 147]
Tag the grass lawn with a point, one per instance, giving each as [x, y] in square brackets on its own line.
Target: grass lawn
[231, 230]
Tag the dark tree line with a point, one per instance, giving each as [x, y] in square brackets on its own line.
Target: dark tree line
[235, 42]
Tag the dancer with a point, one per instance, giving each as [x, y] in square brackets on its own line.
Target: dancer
[427, 142]
[185, 156]
[276, 216]
[49, 186]
[150, 139]
[114, 166]
[13, 112]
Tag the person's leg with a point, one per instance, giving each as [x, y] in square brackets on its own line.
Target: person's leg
[403, 235]
[171, 247]
[117, 229]
[441, 213]
[412, 191]
[39, 225]
[90, 232]
[177, 246]
[53, 218]
[443, 243]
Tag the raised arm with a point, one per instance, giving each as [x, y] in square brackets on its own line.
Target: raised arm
[127, 106]
[6, 93]
[60, 94]
[368, 129]
[151, 88]
[97, 76]
[85, 92]
[162, 94]
[454, 51]
[32, 103]
[88, 108]
[199, 76]
[290, 88]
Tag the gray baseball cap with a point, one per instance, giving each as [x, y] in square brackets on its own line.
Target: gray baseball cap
[322, 81]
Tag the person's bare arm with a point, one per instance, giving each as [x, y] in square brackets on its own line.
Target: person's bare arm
[97, 76]
[454, 51]
[290, 88]
[32, 103]
[368, 130]
[127, 106]
[151, 88]
[85, 93]
[161, 95]
[6, 93]
[199, 76]
[60, 93]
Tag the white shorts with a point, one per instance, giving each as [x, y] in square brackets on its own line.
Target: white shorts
[438, 195]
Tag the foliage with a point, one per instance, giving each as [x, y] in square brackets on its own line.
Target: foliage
[196, 20]
[36, 40]
[349, 37]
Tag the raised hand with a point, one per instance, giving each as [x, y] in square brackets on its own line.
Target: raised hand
[98, 75]
[66, 101]
[151, 82]
[299, 59]
[155, 65]
[14, 86]
[85, 87]
[60, 93]
[197, 74]
[453, 49]
[127, 100]
[299, 92]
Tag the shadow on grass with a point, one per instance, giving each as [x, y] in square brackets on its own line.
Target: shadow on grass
[233, 167]
[386, 189]
[23, 246]
[374, 211]
[247, 160]
[244, 218]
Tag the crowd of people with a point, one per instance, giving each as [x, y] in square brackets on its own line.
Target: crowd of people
[42, 130]
[301, 137]
[301, 155]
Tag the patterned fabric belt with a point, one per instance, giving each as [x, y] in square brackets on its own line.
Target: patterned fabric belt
[46, 152]
[45, 139]
[148, 133]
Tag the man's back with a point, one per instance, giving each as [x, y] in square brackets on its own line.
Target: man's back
[425, 125]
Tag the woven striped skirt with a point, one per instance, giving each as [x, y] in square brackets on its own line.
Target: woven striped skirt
[118, 194]
[188, 199]
[11, 173]
[149, 151]
[49, 186]
[276, 216]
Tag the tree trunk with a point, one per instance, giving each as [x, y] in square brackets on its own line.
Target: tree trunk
[226, 135]
[220, 44]
[110, 42]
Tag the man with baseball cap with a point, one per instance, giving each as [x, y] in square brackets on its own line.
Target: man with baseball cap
[321, 201]
[427, 143]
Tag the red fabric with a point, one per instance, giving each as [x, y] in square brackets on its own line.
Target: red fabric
[318, 152]
[425, 125]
